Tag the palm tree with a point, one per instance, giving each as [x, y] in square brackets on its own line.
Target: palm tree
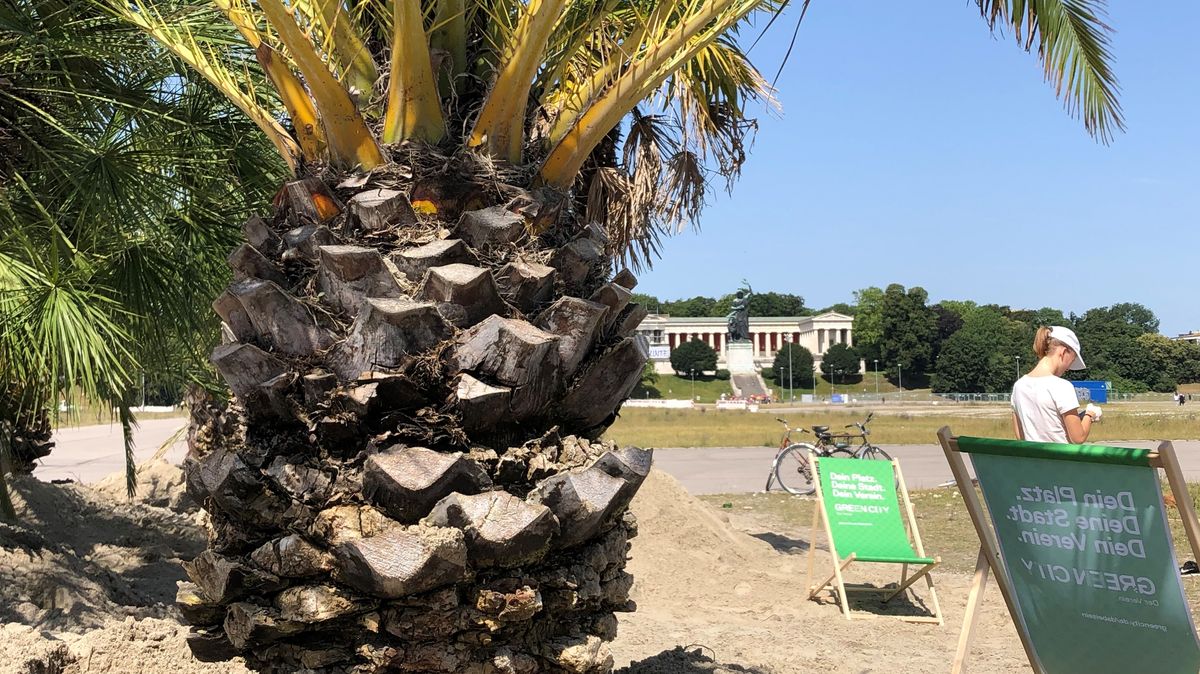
[425, 338]
[119, 170]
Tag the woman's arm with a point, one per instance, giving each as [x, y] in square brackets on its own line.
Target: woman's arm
[1078, 428]
[1017, 427]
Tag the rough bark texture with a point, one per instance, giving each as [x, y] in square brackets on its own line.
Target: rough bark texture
[409, 477]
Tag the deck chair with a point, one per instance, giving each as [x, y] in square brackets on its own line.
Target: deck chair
[857, 504]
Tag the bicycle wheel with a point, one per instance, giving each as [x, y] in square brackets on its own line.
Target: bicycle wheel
[873, 452]
[793, 472]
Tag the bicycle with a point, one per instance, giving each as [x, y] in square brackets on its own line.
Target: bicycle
[791, 468]
[865, 449]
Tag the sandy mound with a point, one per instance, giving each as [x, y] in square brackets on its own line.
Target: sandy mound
[701, 580]
[159, 483]
[87, 581]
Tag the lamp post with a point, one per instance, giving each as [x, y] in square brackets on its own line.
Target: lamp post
[876, 375]
[1018, 366]
[900, 377]
[693, 372]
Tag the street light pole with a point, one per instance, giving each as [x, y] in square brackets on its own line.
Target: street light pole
[1018, 367]
[876, 375]
[693, 384]
[900, 377]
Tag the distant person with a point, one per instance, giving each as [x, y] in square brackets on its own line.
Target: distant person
[1045, 406]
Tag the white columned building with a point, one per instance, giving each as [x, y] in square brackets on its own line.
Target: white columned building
[767, 335]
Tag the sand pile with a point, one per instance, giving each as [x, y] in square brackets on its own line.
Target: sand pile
[159, 483]
[87, 580]
[702, 580]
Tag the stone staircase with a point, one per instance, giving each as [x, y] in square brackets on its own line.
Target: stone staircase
[746, 385]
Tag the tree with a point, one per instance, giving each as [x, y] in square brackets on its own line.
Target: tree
[793, 366]
[1036, 318]
[1167, 359]
[695, 307]
[121, 176]
[553, 139]
[652, 304]
[1109, 339]
[693, 356]
[947, 323]
[841, 308]
[981, 357]
[909, 332]
[841, 361]
[766, 304]
[868, 322]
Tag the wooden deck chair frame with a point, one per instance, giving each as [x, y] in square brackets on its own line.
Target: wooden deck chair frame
[837, 585]
[988, 562]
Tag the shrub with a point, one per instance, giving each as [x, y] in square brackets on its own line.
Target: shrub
[693, 355]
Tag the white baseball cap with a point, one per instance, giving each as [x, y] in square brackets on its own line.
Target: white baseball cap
[1067, 336]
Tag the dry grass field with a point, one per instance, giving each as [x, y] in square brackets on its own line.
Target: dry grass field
[942, 518]
[893, 424]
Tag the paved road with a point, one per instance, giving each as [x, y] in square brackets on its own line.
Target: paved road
[732, 470]
[89, 453]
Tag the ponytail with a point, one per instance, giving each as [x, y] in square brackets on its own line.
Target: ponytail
[1041, 342]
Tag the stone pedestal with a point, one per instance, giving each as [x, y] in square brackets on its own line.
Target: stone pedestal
[739, 357]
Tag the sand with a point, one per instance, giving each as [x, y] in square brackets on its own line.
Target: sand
[87, 581]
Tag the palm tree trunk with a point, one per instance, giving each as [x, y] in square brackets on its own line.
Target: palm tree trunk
[410, 477]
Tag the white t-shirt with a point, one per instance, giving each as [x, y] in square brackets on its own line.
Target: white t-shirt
[1039, 403]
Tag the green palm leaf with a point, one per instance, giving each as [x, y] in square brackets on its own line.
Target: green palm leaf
[1072, 40]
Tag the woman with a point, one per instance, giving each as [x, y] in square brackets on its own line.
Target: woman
[1045, 406]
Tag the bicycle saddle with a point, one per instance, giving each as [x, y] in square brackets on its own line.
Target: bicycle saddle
[820, 429]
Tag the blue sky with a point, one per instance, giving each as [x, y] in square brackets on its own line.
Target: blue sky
[914, 147]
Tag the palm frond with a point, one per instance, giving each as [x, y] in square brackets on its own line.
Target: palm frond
[1072, 41]
[676, 47]
[128, 423]
[177, 36]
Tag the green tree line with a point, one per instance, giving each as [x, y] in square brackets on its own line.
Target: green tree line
[761, 304]
[962, 346]
[965, 347]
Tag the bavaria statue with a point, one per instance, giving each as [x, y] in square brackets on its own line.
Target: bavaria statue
[739, 315]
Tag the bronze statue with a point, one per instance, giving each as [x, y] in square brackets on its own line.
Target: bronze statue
[738, 319]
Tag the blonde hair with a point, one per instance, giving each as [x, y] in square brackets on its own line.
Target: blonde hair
[1043, 342]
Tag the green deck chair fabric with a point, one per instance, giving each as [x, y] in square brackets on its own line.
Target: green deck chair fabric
[864, 512]
[865, 522]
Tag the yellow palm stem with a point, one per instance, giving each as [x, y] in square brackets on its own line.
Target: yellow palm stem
[413, 107]
[350, 141]
[349, 50]
[299, 106]
[450, 34]
[241, 19]
[501, 122]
